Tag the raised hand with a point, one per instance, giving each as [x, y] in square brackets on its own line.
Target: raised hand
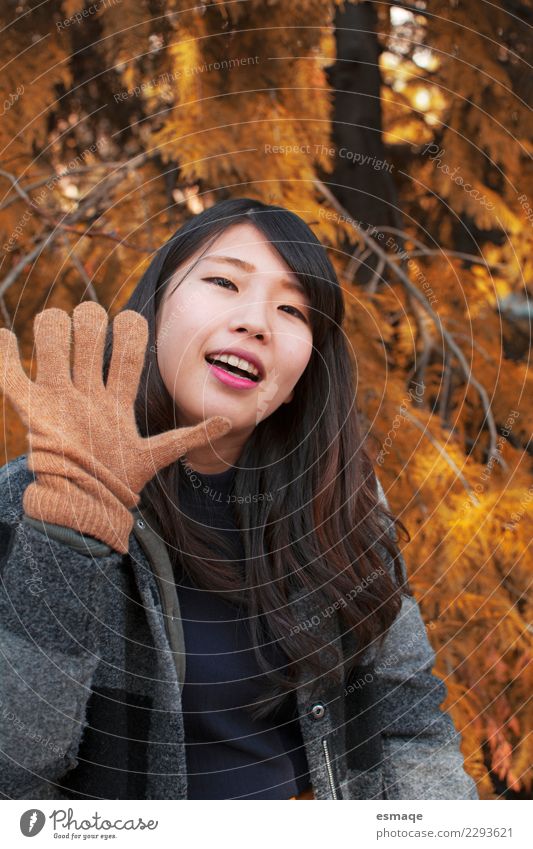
[90, 461]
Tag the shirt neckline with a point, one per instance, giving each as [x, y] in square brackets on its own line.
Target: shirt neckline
[201, 482]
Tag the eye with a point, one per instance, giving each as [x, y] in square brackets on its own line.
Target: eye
[295, 312]
[224, 279]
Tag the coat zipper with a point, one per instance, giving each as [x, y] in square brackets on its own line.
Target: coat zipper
[329, 768]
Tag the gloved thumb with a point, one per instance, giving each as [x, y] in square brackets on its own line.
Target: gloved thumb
[165, 448]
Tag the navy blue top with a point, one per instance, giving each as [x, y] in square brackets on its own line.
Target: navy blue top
[229, 754]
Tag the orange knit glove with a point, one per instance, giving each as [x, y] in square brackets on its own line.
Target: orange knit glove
[90, 461]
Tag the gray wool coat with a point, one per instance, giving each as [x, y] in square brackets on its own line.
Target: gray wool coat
[92, 663]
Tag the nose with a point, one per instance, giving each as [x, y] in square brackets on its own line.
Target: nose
[251, 319]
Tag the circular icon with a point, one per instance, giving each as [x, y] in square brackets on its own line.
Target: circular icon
[31, 822]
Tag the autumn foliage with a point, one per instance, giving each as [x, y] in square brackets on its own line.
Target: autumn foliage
[121, 119]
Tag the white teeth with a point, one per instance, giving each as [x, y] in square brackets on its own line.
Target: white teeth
[238, 362]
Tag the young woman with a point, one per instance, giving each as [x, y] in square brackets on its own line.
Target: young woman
[202, 594]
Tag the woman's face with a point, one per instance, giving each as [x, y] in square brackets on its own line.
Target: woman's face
[242, 297]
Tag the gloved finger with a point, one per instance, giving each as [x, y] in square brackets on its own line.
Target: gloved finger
[14, 382]
[165, 448]
[89, 324]
[52, 331]
[130, 338]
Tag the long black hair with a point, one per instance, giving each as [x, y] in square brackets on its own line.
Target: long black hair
[323, 529]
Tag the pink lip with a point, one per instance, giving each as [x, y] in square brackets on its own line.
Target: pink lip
[231, 379]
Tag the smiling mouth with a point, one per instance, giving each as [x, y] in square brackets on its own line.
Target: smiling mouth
[233, 369]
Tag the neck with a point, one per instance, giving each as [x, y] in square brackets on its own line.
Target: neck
[205, 468]
[208, 460]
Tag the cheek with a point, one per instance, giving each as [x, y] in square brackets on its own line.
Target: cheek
[180, 330]
[292, 358]
[295, 357]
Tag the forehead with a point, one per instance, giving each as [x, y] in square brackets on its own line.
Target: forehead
[246, 242]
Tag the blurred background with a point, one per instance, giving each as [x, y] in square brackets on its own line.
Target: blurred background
[402, 134]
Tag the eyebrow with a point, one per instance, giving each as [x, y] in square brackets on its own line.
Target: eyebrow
[287, 282]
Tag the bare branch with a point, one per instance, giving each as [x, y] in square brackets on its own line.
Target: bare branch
[22, 263]
[425, 251]
[419, 370]
[371, 286]
[107, 166]
[5, 313]
[81, 269]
